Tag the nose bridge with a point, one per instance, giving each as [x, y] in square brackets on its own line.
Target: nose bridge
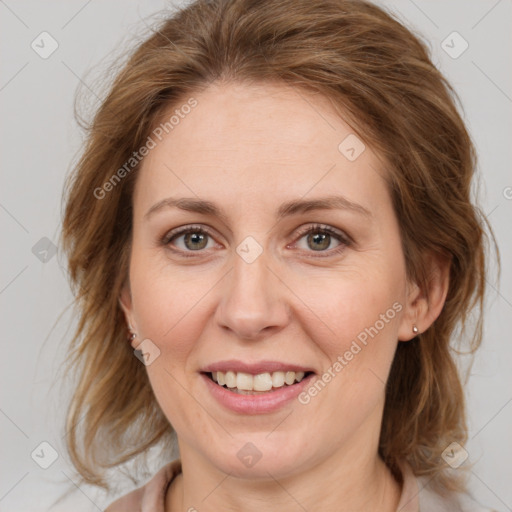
[252, 300]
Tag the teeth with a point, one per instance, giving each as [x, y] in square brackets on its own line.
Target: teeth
[277, 379]
[229, 378]
[261, 382]
[244, 381]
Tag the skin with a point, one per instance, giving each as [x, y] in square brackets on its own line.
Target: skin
[248, 149]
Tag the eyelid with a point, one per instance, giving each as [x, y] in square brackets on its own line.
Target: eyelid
[183, 230]
[326, 228]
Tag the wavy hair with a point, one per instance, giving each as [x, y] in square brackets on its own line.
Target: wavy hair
[380, 77]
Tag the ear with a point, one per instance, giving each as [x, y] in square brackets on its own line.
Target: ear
[425, 303]
[125, 301]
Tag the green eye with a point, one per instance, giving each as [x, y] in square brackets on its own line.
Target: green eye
[194, 238]
[319, 238]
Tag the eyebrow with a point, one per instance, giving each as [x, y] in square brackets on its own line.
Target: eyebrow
[287, 209]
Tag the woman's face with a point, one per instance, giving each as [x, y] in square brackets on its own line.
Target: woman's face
[248, 290]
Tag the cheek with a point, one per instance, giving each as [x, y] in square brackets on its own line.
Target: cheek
[170, 311]
[350, 306]
[358, 333]
[358, 336]
[167, 305]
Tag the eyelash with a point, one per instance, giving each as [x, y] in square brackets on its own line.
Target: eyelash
[344, 240]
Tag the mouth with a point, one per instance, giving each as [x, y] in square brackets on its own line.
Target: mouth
[255, 387]
[243, 383]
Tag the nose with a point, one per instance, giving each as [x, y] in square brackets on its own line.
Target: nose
[253, 304]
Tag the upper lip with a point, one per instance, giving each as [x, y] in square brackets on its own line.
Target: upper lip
[255, 368]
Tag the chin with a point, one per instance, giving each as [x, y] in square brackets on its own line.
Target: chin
[261, 456]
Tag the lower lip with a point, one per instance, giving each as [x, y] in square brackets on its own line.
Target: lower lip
[256, 404]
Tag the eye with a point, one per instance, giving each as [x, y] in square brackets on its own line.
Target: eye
[317, 238]
[189, 239]
[320, 238]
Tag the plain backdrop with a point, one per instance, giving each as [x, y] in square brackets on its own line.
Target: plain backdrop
[39, 141]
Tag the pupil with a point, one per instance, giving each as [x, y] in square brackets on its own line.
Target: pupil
[319, 237]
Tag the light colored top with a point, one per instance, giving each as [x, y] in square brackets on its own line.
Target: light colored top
[416, 495]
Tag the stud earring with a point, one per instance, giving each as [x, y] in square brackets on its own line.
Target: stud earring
[132, 336]
[415, 329]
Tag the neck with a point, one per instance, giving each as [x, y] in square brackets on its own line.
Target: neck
[343, 484]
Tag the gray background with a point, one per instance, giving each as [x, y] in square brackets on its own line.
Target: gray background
[39, 141]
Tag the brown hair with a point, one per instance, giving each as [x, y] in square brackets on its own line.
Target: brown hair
[380, 76]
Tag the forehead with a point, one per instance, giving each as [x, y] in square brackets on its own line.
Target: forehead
[230, 115]
[255, 144]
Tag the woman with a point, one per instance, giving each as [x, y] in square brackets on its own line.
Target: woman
[273, 215]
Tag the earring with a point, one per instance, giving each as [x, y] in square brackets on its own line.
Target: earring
[414, 329]
[132, 335]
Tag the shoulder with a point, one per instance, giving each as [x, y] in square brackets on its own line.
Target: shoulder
[419, 496]
[455, 502]
[151, 496]
[130, 501]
